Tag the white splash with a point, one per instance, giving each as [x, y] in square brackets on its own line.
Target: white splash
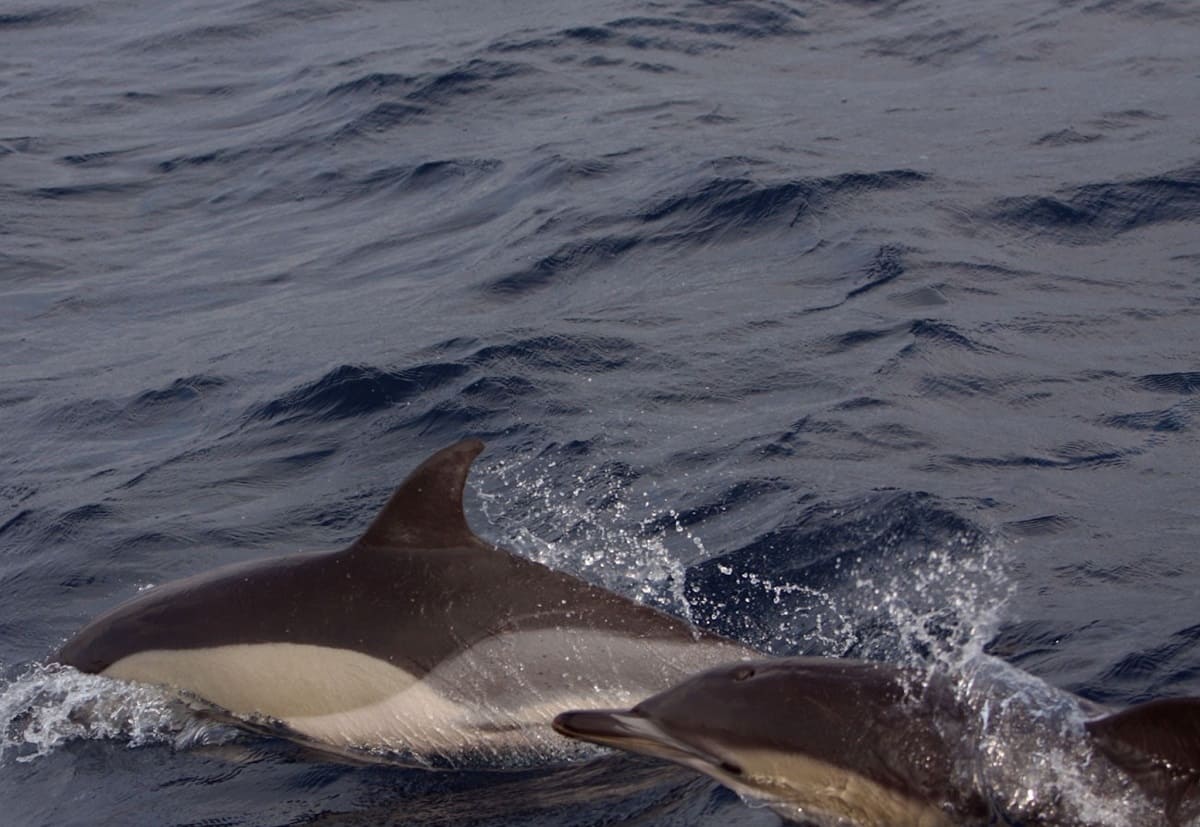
[598, 535]
[929, 605]
[48, 706]
[937, 606]
[1033, 757]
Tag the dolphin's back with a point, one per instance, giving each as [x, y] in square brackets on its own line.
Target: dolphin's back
[410, 608]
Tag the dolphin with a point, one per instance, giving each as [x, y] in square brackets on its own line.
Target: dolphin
[420, 643]
[845, 743]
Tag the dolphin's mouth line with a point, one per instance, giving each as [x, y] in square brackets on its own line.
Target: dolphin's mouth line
[635, 733]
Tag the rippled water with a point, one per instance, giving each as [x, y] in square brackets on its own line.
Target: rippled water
[859, 327]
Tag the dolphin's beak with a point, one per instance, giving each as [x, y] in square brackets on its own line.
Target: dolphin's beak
[635, 732]
[597, 725]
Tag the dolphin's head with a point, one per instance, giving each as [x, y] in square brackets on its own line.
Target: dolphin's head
[716, 719]
[677, 725]
[827, 739]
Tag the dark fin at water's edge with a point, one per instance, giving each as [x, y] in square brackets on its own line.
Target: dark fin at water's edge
[1158, 744]
[427, 509]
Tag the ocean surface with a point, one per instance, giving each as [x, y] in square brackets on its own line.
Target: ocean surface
[844, 327]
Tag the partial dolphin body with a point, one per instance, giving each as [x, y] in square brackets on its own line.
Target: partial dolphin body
[420, 641]
[843, 743]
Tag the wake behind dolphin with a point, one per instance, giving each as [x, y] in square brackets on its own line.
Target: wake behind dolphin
[420, 641]
[844, 743]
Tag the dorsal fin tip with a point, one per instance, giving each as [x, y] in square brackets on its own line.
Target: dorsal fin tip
[426, 511]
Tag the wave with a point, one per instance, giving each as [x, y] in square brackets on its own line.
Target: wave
[1183, 383]
[1093, 213]
[708, 211]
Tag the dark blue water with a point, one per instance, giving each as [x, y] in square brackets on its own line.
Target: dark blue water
[867, 327]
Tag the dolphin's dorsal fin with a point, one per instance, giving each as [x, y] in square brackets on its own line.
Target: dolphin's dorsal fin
[427, 509]
[1158, 744]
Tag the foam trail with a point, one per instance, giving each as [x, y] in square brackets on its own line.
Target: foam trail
[50, 705]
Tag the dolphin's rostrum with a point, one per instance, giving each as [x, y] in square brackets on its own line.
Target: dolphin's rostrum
[419, 641]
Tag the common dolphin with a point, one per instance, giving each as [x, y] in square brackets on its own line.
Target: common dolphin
[420, 642]
[844, 743]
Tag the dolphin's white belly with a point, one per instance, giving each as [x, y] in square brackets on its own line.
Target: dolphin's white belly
[499, 694]
[286, 681]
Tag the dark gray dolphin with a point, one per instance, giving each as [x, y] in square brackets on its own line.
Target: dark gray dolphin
[843, 743]
[419, 640]
[835, 741]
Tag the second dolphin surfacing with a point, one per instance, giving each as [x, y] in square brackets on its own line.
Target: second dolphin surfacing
[420, 642]
[844, 743]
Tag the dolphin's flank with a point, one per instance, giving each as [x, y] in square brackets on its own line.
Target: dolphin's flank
[420, 640]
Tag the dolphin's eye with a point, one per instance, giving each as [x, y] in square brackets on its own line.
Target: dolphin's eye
[730, 768]
[743, 673]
